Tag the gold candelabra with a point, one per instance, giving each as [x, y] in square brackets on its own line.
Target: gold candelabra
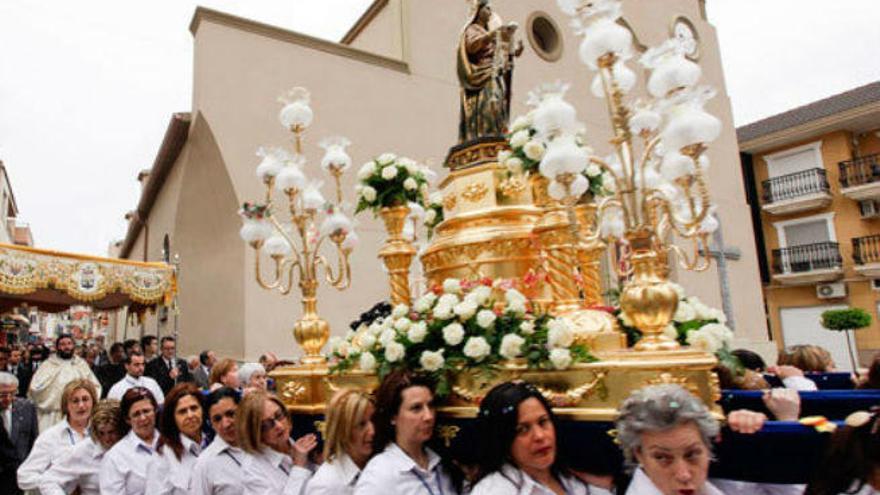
[659, 192]
[295, 249]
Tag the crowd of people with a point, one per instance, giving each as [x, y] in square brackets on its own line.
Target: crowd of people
[138, 420]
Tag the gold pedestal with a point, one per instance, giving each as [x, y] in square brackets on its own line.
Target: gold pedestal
[587, 392]
[507, 227]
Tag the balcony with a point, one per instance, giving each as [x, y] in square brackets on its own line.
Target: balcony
[860, 178]
[800, 191]
[807, 264]
[866, 255]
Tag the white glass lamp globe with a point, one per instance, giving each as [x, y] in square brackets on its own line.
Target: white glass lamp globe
[278, 246]
[604, 36]
[563, 156]
[296, 112]
[312, 197]
[673, 72]
[290, 178]
[554, 115]
[335, 156]
[270, 165]
[255, 230]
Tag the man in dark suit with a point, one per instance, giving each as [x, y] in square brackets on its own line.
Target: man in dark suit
[203, 372]
[18, 431]
[166, 368]
[110, 373]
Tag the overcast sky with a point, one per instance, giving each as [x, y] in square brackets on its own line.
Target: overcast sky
[87, 87]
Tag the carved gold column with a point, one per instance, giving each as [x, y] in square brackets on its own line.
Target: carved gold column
[561, 262]
[397, 253]
[589, 256]
[648, 298]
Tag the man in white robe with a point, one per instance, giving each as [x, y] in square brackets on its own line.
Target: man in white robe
[50, 378]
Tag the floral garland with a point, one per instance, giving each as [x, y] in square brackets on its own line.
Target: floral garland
[389, 181]
[462, 324]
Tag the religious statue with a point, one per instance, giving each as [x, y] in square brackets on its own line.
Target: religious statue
[485, 67]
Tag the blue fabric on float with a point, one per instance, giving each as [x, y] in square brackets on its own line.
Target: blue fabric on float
[824, 381]
[782, 452]
[833, 404]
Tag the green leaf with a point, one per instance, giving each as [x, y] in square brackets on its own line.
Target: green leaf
[846, 319]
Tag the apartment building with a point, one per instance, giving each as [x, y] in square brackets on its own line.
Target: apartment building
[813, 182]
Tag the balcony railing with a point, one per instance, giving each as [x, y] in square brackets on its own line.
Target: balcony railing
[859, 171]
[792, 186]
[866, 249]
[807, 258]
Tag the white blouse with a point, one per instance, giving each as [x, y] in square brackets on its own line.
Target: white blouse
[512, 481]
[124, 468]
[394, 468]
[642, 485]
[334, 477]
[271, 473]
[218, 470]
[79, 469]
[166, 475]
[50, 447]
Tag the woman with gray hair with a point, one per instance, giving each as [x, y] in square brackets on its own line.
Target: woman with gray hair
[667, 433]
[252, 376]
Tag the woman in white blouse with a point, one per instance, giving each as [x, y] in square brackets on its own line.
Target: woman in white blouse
[348, 443]
[273, 463]
[404, 423]
[77, 400]
[79, 469]
[669, 433]
[124, 468]
[519, 454]
[180, 442]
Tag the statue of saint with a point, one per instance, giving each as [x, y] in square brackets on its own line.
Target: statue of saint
[485, 66]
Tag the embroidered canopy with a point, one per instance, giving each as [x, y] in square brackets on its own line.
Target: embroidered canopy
[53, 280]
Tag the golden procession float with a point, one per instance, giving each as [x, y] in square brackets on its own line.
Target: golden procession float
[522, 228]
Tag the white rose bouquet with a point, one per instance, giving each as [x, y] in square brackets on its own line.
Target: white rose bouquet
[472, 324]
[390, 180]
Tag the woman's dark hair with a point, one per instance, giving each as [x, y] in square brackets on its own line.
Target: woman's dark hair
[850, 461]
[873, 380]
[130, 398]
[389, 397]
[750, 360]
[497, 422]
[170, 433]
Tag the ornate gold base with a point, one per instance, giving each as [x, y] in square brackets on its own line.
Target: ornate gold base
[586, 392]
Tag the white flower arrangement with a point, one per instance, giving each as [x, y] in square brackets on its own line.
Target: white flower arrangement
[460, 324]
[389, 181]
[529, 138]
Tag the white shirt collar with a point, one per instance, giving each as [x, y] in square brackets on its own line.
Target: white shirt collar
[133, 380]
[137, 443]
[642, 485]
[350, 470]
[278, 460]
[405, 463]
[190, 446]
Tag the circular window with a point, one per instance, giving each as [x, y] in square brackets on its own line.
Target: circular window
[544, 36]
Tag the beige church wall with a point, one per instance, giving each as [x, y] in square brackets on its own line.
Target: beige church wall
[372, 105]
[384, 34]
[212, 255]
